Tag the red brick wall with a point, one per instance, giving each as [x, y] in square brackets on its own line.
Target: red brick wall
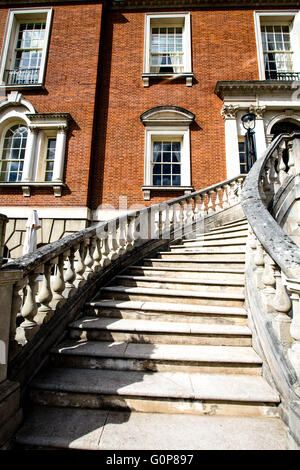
[223, 48]
[71, 76]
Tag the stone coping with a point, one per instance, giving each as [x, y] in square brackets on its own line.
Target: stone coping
[283, 250]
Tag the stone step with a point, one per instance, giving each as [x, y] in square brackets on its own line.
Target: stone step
[228, 229]
[167, 392]
[90, 429]
[186, 262]
[160, 311]
[211, 243]
[206, 250]
[145, 331]
[203, 254]
[176, 283]
[216, 236]
[198, 273]
[241, 221]
[156, 357]
[171, 296]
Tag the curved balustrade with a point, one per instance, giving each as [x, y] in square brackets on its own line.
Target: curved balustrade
[54, 273]
[274, 258]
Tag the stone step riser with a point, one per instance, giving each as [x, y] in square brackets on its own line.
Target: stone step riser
[239, 264]
[131, 314]
[197, 275]
[153, 365]
[161, 338]
[151, 405]
[176, 299]
[209, 250]
[181, 286]
[192, 255]
[222, 229]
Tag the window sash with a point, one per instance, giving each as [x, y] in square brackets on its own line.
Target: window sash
[166, 163]
[50, 157]
[13, 154]
[277, 52]
[166, 54]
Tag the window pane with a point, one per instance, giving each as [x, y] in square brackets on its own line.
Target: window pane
[156, 180]
[157, 169]
[167, 180]
[176, 180]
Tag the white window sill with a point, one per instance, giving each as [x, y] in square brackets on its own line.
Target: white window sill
[147, 190]
[188, 77]
[29, 86]
[27, 185]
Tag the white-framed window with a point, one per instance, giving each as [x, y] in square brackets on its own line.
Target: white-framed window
[242, 155]
[32, 145]
[25, 46]
[278, 43]
[50, 158]
[166, 161]
[167, 46]
[167, 149]
[13, 153]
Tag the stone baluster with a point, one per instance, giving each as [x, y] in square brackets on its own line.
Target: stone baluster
[231, 194]
[210, 205]
[105, 250]
[282, 305]
[239, 188]
[281, 166]
[273, 176]
[88, 260]
[293, 286]
[181, 213]
[45, 312]
[80, 267]
[267, 190]
[217, 201]
[202, 207]
[172, 215]
[58, 285]
[225, 202]
[70, 274]
[16, 307]
[259, 262]
[292, 158]
[129, 233]
[97, 255]
[196, 211]
[29, 327]
[112, 240]
[189, 211]
[269, 282]
[121, 235]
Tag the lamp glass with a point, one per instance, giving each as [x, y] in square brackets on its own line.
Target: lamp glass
[248, 121]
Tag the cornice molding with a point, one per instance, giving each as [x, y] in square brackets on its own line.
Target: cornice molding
[234, 87]
[209, 4]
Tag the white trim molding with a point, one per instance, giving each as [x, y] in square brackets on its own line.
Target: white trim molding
[41, 127]
[167, 122]
[182, 19]
[275, 17]
[15, 18]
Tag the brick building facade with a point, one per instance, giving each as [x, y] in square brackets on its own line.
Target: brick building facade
[127, 100]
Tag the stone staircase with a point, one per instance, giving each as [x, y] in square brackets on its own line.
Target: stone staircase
[166, 347]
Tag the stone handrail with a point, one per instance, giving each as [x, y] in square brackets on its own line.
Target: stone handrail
[54, 273]
[273, 257]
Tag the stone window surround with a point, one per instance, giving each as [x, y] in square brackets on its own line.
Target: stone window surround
[283, 17]
[13, 109]
[15, 16]
[167, 121]
[184, 18]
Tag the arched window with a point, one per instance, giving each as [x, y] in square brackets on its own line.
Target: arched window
[13, 153]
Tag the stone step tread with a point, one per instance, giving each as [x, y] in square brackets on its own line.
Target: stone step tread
[83, 429]
[173, 268]
[222, 230]
[199, 261]
[178, 385]
[236, 222]
[167, 307]
[211, 237]
[151, 326]
[177, 280]
[198, 251]
[170, 292]
[211, 243]
[166, 352]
